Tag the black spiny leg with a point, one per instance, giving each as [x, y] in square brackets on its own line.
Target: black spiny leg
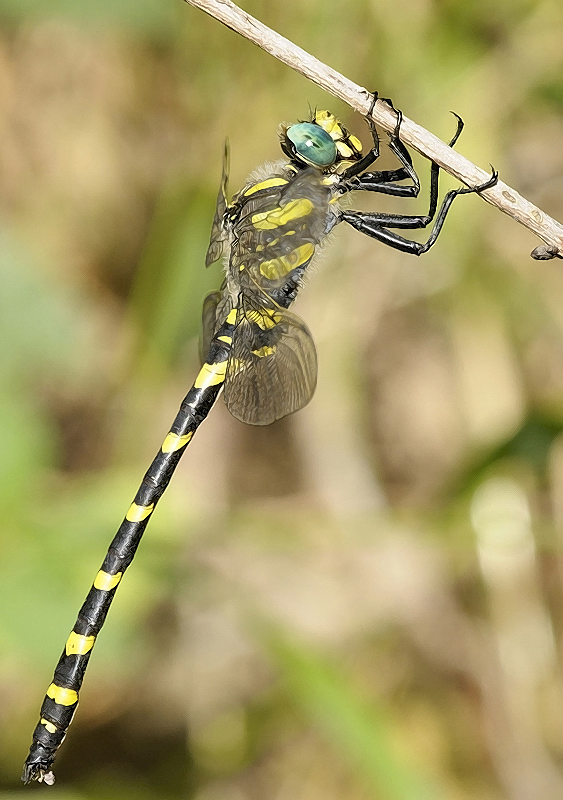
[376, 181]
[375, 225]
[373, 154]
[384, 181]
[349, 179]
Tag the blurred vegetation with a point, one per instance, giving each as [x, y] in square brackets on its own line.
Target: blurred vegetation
[362, 601]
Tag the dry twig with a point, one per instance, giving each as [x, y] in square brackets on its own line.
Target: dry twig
[501, 195]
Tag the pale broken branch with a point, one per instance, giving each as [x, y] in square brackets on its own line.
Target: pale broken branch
[500, 195]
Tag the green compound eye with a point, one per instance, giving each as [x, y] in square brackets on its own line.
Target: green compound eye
[312, 143]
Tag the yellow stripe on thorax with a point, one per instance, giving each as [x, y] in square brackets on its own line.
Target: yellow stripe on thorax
[268, 220]
[79, 645]
[139, 513]
[174, 441]
[211, 375]
[62, 696]
[279, 267]
[105, 582]
[267, 184]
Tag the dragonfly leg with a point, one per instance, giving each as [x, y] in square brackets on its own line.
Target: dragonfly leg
[376, 225]
[351, 178]
[384, 182]
[374, 153]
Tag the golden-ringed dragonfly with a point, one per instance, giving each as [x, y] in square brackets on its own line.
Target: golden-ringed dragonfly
[257, 352]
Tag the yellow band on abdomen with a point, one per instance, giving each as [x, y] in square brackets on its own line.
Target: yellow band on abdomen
[139, 513]
[62, 696]
[79, 645]
[211, 375]
[104, 581]
[175, 442]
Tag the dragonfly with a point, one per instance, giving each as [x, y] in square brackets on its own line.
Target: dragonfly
[260, 355]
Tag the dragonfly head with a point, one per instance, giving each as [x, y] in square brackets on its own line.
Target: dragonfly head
[322, 142]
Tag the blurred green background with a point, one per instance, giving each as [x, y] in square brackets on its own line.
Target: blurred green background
[364, 600]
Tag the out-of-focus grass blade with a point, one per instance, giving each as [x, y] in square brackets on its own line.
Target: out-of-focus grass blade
[42, 322]
[145, 15]
[359, 733]
[172, 281]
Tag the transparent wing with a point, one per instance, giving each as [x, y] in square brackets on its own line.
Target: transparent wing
[218, 233]
[272, 368]
[208, 322]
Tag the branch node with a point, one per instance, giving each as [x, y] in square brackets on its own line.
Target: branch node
[545, 252]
